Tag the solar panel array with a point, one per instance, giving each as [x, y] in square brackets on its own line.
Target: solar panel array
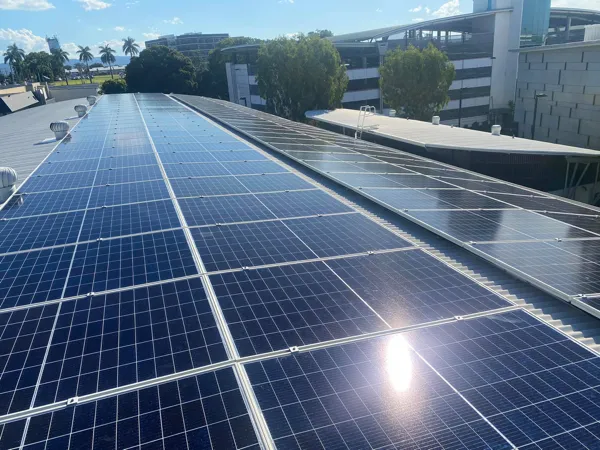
[543, 239]
[165, 284]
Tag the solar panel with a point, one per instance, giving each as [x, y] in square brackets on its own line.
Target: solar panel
[465, 191]
[103, 306]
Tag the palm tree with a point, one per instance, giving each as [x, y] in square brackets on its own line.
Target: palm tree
[85, 55]
[130, 47]
[61, 57]
[14, 56]
[107, 57]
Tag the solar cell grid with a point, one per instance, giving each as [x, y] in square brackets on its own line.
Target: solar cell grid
[67, 156]
[591, 224]
[119, 162]
[410, 287]
[187, 157]
[117, 339]
[529, 380]
[195, 187]
[227, 209]
[274, 182]
[251, 244]
[302, 203]
[544, 204]
[247, 155]
[327, 166]
[42, 183]
[123, 262]
[206, 411]
[195, 170]
[39, 231]
[128, 175]
[53, 168]
[24, 336]
[129, 219]
[33, 277]
[365, 180]
[122, 194]
[23, 205]
[371, 394]
[344, 234]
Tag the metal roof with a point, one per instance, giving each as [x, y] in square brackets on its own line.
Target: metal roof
[425, 134]
[443, 23]
[22, 132]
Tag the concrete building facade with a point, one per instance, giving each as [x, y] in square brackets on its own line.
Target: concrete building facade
[569, 76]
[193, 45]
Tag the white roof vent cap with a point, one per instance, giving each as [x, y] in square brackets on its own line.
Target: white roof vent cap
[8, 179]
[496, 130]
[435, 120]
[81, 110]
[91, 99]
[60, 128]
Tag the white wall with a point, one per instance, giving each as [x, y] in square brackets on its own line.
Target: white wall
[507, 36]
[355, 96]
[362, 74]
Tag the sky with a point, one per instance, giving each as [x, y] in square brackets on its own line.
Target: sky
[97, 22]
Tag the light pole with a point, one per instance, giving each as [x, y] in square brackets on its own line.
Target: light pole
[537, 97]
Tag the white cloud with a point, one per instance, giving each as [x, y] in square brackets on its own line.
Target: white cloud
[418, 19]
[416, 9]
[71, 48]
[583, 4]
[451, 8]
[174, 21]
[285, 1]
[24, 38]
[27, 5]
[151, 35]
[116, 44]
[119, 28]
[99, 29]
[427, 10]
[379, 10]
[93, 5]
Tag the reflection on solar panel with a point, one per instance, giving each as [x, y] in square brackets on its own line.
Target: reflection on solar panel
[450, 192]
[132, 284]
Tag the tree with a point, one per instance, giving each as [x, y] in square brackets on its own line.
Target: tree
[96, 65]
[130, 47]
[416, 82]
[108, 57]
[213, 81]
[85, 55]
[320, 33]
[80, 69]
[13, 56]
[161, 69]
[38, 66]
[113, 87]
[295, 76]
[59, 58]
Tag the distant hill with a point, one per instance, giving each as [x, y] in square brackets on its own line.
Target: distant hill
[120, 61]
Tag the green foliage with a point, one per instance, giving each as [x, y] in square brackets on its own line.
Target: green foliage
[107, 56]
[212, 82]
[14, 56]
[161, 69]
[416, 82]
[59, 57]
[37, 65]
[130, 47]
[113, 87]
[297, 75]
[320, 33]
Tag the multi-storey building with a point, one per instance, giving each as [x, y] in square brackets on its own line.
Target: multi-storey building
[196, 45]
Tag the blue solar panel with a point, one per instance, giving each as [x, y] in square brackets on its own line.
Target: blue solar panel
[205, 411]
[361, 180]
[33, 277]
[121, 194]
[117, 339]
[226, 209]
[11, 434]
[371, 394]
[410, 287]
[302, 203]
[280, 307]
[253, 167]
[195, 170]
[128, 175]
[527, 379]
[247, 155]
[120, 162]
[251, 244]
[272, 183]
[195, 187]
[123, 262]
[187, 157]
[45, 203]
[53, 168]
[225, 146]
[344, 234]
[42, 183]
[39, 231]
[24, 337]
[129, 219]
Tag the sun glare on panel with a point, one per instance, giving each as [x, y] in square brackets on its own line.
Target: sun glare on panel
[399, 363]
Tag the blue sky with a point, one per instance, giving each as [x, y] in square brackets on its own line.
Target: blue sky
[95, 22]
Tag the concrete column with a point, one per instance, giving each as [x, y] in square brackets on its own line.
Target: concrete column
[568, 29]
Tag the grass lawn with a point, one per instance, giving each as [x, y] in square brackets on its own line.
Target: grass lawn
[97, 79]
